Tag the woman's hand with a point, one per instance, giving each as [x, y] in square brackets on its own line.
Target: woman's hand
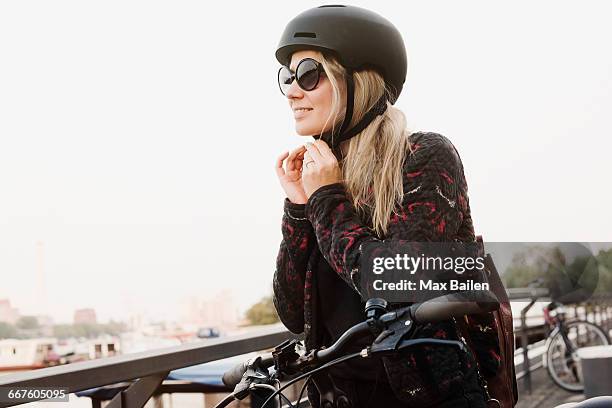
[290, 177]
[320, 167]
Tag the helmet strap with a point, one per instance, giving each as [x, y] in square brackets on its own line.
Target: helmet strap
[350, 101]
[334, 139]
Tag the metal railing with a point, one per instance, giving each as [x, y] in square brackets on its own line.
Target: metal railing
[150, 368]
[523, 331]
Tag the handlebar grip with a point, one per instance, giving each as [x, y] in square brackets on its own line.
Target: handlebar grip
[454, 305]
[233, 376]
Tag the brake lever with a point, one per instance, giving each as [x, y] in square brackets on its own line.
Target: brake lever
[440, 342]
[399, 326]
[254, 374]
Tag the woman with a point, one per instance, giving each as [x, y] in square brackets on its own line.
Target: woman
[365, 179]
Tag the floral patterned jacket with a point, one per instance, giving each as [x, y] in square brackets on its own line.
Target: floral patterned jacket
[435, 207]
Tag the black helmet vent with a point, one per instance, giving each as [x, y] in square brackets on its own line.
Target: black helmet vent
[332, 5]
[307, 35]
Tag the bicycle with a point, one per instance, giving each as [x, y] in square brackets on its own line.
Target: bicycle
[565, 338]
[392, 329]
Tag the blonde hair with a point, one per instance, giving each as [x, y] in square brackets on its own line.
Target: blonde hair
[372, 167]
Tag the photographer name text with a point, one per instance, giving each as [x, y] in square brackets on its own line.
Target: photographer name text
[430, 285]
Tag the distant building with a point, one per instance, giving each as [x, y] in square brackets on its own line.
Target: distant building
[8, 314]
[87, 316]
[216, 311]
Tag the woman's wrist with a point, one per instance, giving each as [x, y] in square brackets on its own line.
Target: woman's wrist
[297, 201]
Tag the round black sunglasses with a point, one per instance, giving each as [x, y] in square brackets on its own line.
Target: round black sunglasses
[307, 74]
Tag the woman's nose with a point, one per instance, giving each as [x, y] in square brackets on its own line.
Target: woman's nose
[294, 91]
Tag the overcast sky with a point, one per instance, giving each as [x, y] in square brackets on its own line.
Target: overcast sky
[138, 138]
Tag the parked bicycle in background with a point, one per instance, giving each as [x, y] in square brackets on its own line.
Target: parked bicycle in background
[564, 339]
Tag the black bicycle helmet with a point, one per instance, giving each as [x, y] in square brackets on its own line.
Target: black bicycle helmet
[359, 39]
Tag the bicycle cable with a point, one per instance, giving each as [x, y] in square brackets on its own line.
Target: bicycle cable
[280, 395]
[316, 370]
[226, 401]
[277, 383]
[303, 389]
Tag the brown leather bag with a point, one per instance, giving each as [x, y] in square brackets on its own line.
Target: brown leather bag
[502, 386]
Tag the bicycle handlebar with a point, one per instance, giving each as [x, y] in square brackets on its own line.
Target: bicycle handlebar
[595, 402]
[453, 305]
[328, 354]
[433, 310]
[234, 375]
[430, 311]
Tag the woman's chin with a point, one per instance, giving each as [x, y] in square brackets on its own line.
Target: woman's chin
[304, 130]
